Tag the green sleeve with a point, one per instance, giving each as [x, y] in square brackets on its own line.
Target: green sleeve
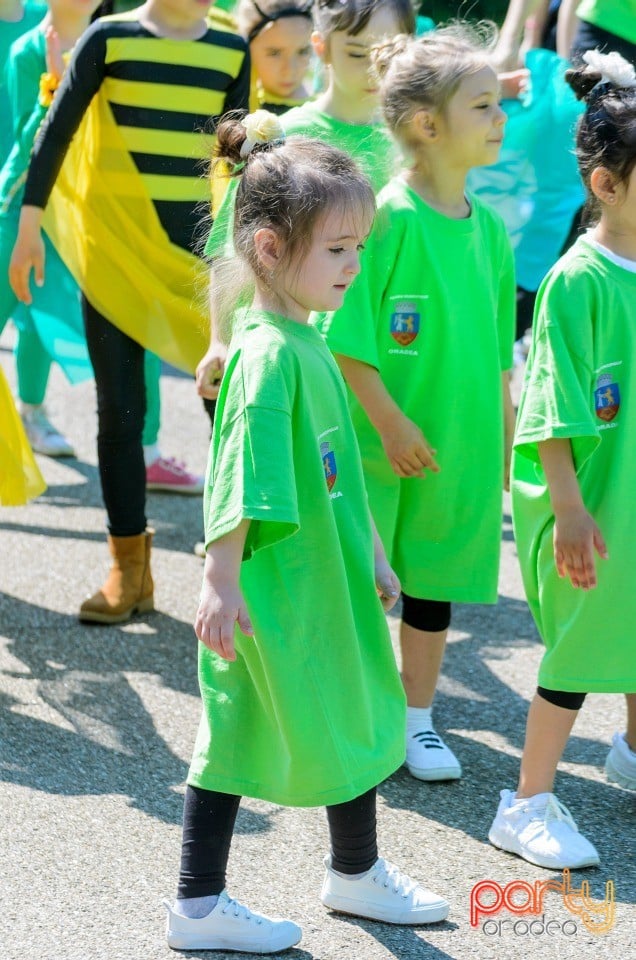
[24, 68]
[251, 472]
[351, 330]
[557, 396]
[221, 240]
[507, 301]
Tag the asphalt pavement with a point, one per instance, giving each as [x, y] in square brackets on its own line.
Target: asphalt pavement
[97, 725]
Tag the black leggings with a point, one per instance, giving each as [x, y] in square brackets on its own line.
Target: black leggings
[208, 825]
[429, 615]
[118, 362]
[562, 698]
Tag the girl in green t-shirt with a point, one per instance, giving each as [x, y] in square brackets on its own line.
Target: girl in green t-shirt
[424, 340]
[345, 115]
[302, 702]
[573, 478]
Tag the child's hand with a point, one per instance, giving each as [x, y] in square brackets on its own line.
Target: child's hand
[408, 449]
[576, 537]
[386, 582]
[54, 60]
[514, 83]
[28, 254]
[220, 607]
[210, 370]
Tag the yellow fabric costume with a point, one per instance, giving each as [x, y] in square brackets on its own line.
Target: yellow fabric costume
[20, 478]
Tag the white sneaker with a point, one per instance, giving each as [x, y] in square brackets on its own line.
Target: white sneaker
[428, 757]
[542, 830]
[43, 436]
[230, 926]
[620, 765]
[382, 893]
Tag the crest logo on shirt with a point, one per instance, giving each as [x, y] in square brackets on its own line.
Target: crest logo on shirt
[329, 464]
[607, 397]
[405, 322]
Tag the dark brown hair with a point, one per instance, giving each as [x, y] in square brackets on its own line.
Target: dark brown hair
[606, 134]
[352, 16]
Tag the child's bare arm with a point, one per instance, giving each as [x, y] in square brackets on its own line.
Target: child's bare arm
[222, 604]
[405, 445]
[211, 367]
[386, 580]
[576, 535]
[28, 254]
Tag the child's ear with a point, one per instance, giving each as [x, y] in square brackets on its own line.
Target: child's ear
[425, 125]
[320, 46]
[604, 185]
[268, 248]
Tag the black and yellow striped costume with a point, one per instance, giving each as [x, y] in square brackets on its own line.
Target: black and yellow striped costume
[122, 159]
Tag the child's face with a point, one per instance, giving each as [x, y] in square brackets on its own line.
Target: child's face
[349, 56]
[471, 127]
[280, 55]
[320, 277]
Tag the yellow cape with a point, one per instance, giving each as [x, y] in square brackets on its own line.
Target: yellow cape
[106, 229]
[20, 479]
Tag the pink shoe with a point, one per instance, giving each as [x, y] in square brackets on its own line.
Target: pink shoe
[169, 475]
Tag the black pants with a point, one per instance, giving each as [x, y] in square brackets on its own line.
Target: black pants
[118, 362]
[208, 825]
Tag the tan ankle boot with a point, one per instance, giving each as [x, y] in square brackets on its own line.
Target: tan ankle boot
[128, 588]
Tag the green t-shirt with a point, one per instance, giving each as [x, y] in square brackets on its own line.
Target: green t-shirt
[369, 144]
[580, 383]
[9, 33]
[26, 63]
[433, 311]
[615, 16]
[312, 711]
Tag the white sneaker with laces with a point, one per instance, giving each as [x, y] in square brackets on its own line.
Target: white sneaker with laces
[620, 765]
[427, 756]
[43, 436]
[382, 893]
[542, 830]
[230, 926]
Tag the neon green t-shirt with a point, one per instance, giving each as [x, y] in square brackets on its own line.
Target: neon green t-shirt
[9, 33]
[369, 144]
[432, 310]
[581, 384]
[312, 711]
[615, 16]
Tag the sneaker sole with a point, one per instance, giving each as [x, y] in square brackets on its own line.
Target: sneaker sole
[439, 773]
[144, 606]
[54, 454]
[616, 776]
[508, 845]
[178, 941]
[353, 908]
[168, 488]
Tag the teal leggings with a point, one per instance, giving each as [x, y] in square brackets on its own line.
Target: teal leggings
[33, 365]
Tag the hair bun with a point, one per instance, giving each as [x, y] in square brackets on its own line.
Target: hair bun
[383, 53]
[582, 80]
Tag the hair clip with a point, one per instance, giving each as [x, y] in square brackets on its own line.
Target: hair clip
[614, 69]
[261, 128]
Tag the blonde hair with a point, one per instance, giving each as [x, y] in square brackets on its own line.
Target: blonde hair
[417, 72]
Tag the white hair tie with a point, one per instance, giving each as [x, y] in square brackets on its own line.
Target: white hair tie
[261, 127]
[612, 67]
